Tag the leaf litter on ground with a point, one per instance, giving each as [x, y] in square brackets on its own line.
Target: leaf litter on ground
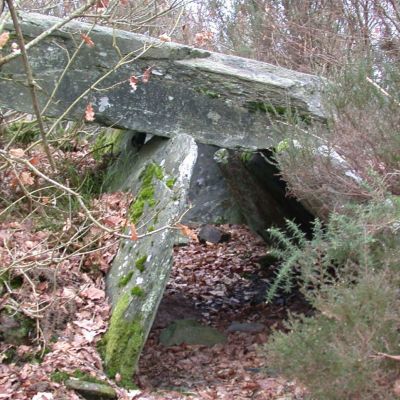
[61, 287]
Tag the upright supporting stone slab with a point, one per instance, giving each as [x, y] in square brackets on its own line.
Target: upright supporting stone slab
[218, 99]
[260, 194]
[209, 193]
[159, 177]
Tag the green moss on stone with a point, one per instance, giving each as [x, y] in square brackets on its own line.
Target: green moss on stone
[268, 108]
[137, 291]
[286, 112]
[136, 210]
[108, 141]
[152, 202]
[124, 280]
[246, 156]
[151, 228]
[170, 182]
[61, 376]
[122, 343]
[151, 171]
[209, 93]
[140, 262]
[146, 192]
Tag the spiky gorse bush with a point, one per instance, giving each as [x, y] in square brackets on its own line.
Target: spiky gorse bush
[343, 352]
[350, 273]
[365, 237]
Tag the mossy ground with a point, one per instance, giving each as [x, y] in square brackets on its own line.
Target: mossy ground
[61, 376]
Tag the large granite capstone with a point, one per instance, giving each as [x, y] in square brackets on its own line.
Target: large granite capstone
[218, 99]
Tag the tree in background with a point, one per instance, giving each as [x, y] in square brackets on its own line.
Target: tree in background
[313, 36]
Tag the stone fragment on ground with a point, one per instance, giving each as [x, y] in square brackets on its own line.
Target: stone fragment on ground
[190, 332]
[212, 234]
[173, 307]
[246, 327]
[15, 329]
[90, 390]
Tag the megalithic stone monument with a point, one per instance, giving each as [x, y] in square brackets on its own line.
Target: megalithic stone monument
[192, 96]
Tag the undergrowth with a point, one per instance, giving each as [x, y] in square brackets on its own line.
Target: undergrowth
[348, 173]
[340, 353]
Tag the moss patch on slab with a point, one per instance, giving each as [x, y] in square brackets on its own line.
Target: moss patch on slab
[254, 106]
[107, 142]
[124, 280]
[146, 192]
[170, 182]
[137, 291]
[122, 343]
[140, 262]
[61, 376]
[209, 93]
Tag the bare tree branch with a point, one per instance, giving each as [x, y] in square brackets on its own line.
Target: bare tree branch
[31, 82]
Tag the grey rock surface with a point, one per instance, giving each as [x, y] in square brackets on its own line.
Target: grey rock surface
[212, 234]
[209, 193]
[175, 306]
[158, 176]
[90, 390]
[255, 185]
[218, 99]
[190, 332]
[246, 327]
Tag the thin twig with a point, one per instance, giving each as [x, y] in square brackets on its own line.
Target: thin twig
[382, 90]
[76, 14]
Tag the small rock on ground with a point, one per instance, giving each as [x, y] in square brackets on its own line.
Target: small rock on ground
[90, 390]
[247, 327]
[212, 234]
[190, 332]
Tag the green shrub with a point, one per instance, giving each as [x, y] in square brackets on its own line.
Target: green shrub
[336, 353]
[362, 236]
[349, 273]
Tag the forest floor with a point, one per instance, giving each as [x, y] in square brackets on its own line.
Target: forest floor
[53, 306]
[216, 284]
